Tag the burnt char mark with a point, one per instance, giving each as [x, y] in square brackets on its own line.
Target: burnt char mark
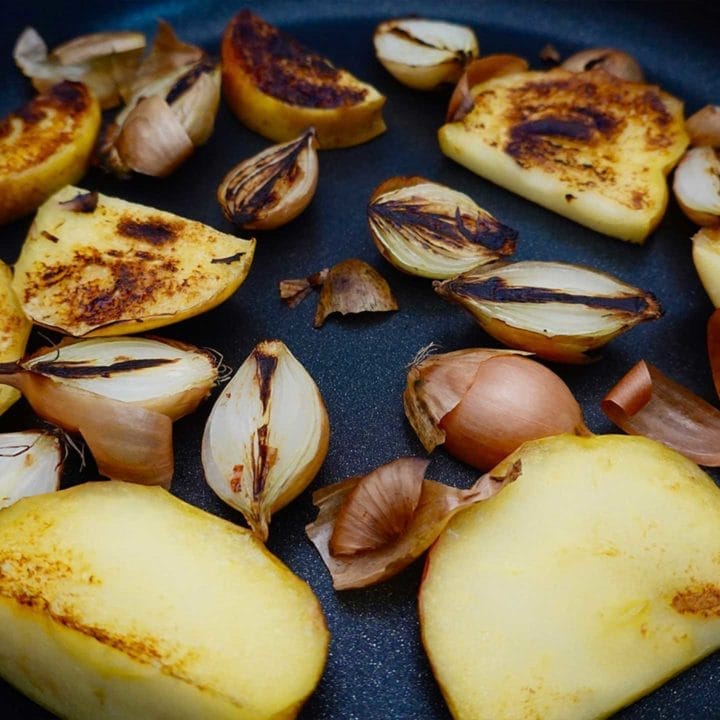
[703, 601]
[478, 230]
[155, 232]
[285, 69]
[227, 260]
[74, 370]
[495, 289]
[50, 236]
[573, 128]
[284, 172]
[265, 369]
[82, 202]
[69, 95]
[186, 81]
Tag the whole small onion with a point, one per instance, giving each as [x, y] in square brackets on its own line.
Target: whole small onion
[483, 404]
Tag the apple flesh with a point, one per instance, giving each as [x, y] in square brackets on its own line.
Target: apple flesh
[583, 585]
[121, 601]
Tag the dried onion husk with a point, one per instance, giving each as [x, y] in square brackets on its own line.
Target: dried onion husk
[428, 229]
[30, 464]
[167, 54]
[614, 62]
[378, 510]
[171, 108]
[353, 286]
[104, 61]
[646, 402]
[558, 311]
[713, 348]
[267, 435]
[436, 506]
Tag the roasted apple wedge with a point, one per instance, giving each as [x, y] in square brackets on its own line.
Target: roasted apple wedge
[581, 586]
[98, 265]
[121, 601]
[45, 145]
[14, 332]
[279, 88]
[587, 145]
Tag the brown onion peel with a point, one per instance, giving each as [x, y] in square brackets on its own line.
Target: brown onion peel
[437, 505]
[378, 510]
[152, 140]
[128, 442]
[713, 348]
[646, 402]
[480, 71]
[167, 53]
[353, 286]
[294, 291]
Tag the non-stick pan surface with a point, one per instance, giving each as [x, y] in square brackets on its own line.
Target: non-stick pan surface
[377, 668]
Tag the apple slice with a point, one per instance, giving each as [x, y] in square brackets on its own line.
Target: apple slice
[279, 88]
[121, 601]
[580, 587]
[45, 145]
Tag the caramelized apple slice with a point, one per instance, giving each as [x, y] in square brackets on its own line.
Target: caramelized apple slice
[279, 88]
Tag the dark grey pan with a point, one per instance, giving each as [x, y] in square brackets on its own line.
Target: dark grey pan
[377, 668]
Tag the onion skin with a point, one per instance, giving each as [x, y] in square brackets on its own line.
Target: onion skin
[512, 399]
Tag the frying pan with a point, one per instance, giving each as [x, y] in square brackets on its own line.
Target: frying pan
[377, 668]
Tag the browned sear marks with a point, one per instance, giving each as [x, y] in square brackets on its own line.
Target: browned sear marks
[283, 68]
[154, 230]
[42, 126]
[703, 600]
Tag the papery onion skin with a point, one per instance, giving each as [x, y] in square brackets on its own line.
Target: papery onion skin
[615, 62]
[379, 509]
[512, 399]
[646, 402]
[437, 505]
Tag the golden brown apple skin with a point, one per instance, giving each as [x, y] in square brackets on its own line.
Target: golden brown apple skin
[44, 146]
[281, 95]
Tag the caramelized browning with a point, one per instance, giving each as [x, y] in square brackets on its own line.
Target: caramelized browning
[703, 601]
[46, 124]
[590, 130]
[283, 68]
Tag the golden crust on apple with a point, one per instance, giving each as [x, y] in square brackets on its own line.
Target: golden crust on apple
[45, 145]
[580, 587]
[587, 145]
[279, 88]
